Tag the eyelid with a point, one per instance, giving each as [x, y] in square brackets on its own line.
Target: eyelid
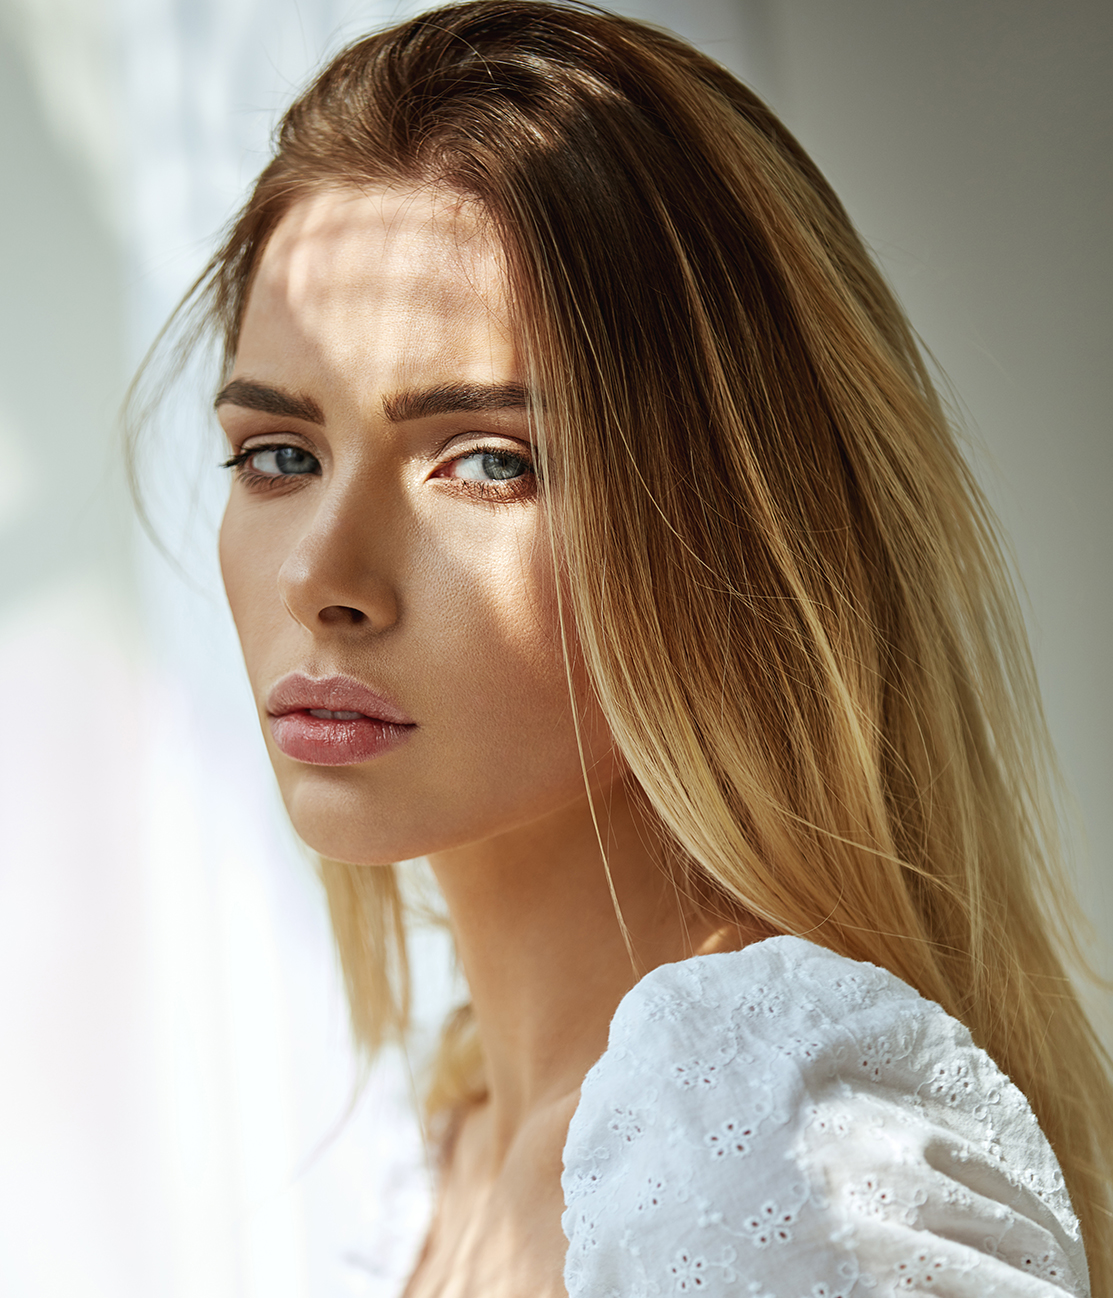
[271, 438]
[490, 446]
[481, 437]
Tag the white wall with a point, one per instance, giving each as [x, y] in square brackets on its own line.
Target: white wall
[173, 1037]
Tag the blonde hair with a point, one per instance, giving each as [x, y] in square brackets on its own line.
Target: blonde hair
[788, 588]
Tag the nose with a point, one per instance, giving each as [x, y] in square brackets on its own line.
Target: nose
[337, 575]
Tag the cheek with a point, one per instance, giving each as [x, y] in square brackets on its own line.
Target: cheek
[249, 562]
[493, 606]
[230, 555]
[477, 657]
[500, 623]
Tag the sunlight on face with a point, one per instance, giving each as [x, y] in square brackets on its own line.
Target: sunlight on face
[384, 548]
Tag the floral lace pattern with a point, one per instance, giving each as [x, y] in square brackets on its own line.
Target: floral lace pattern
[782, 1122]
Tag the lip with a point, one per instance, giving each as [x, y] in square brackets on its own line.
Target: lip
[334, 741]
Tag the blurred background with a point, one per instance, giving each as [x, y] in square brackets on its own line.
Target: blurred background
[176, 1114]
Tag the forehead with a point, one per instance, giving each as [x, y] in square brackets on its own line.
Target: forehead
[388, 281]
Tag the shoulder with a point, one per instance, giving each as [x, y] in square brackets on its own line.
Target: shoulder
[806, 1124]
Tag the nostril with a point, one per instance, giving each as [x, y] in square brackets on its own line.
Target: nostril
[340, 613]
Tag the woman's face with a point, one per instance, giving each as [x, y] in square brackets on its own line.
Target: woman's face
[385, 549]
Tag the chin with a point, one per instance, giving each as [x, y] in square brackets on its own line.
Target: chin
[336, 814]
[338, 821]
[338, 847]
[354, 845]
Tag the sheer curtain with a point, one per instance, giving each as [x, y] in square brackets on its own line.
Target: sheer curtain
[177, 1084]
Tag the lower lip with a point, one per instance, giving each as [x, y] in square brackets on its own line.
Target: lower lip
[323, 741]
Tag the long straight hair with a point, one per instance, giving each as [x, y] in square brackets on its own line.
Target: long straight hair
[787, 587]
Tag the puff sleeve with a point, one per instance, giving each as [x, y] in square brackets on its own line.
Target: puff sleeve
[782, 1122]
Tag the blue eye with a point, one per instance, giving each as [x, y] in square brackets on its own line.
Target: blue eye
[262, 467]
[281, 461]
[491, 466]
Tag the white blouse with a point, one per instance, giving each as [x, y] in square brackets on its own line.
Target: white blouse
[782, 1122]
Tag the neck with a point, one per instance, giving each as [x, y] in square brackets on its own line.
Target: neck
[543, 950]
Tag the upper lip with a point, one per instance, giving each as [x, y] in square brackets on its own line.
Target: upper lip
[300, 693]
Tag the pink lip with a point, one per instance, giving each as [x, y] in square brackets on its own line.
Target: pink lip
[334, 741]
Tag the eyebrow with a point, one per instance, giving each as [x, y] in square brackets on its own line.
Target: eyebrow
[449, 398]
[399, 408]
[271, 401]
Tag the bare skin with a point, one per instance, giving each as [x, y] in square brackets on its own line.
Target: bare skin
[403, 543]
[547, 967]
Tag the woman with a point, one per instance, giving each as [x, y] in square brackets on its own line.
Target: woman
[595, 532]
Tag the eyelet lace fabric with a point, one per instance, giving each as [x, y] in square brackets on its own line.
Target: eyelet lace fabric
[782, 1122]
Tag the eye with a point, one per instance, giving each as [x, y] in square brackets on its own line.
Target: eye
[261, 464]
[281, 461]
[489, 466]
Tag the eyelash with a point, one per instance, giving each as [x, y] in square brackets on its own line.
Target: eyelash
[254, 481]
[511, 489]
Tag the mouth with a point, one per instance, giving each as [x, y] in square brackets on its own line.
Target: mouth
[334, 721]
